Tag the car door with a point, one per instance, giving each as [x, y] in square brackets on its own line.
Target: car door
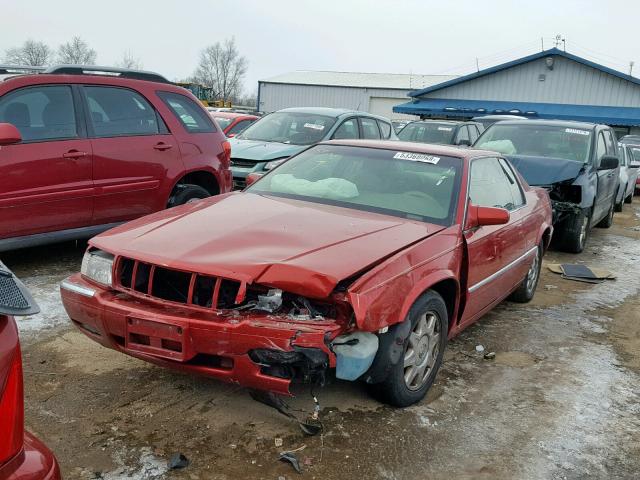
[607, 179]
[45, 180]
[133, 152]
[493, 250]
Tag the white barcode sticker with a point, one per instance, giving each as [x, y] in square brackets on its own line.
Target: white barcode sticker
[576, 131]
[315, 126]
[417, 157]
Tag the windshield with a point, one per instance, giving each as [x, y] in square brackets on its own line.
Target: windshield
[288, 127]
[424, 132]
[223, 122]
[408, 185]
[570, 143]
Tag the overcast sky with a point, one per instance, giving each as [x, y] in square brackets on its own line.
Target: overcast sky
[277, 36]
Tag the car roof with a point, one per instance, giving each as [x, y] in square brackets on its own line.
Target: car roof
[427, 148]
[232, 115]
[499, 117]
[330, 112]
[552, 123]
[447, 122]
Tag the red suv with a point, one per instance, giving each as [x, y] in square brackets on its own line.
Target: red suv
[85, 148]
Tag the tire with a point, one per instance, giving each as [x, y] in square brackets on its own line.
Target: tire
[607, 221]
[574, 232]
[524, 293]
[619, 206]
[427, 340]
[187, 193]
[629, 199]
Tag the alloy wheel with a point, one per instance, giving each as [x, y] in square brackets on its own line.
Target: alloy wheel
[422, 350]
[532, 276]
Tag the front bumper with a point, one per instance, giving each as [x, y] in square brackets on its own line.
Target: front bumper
[35, 462]
[216, 344]
[240, 173]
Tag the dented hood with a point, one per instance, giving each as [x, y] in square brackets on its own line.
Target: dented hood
[538, 171]
[300, 247]
[262, 151]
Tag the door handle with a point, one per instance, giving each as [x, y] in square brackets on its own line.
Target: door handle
[74, 154]
[162, 146]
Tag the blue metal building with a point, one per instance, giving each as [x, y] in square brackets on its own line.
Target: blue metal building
[549, 84]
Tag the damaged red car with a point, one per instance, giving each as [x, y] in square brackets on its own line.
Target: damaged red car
[355, 257]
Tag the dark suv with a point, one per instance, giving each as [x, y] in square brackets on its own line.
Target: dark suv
[576, 162]
[85, 148]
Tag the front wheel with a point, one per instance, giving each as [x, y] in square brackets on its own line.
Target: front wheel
[409, 380]
[574, 232]
[524, 293]
[187, 193]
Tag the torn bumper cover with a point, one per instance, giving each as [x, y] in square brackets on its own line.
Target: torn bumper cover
[253, 349]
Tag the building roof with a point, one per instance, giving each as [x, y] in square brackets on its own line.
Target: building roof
[628, 116]
[545, 53]
[391, 81]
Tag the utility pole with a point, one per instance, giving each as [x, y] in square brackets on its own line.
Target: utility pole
[542, 43]
[477, 65]
[631, 68]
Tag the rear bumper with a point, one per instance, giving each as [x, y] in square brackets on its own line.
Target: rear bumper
[208, 343]
[35, 462]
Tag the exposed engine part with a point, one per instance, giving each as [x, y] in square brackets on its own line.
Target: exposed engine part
[354, 354]
[561, 210]
[271, 302]
[308, 365]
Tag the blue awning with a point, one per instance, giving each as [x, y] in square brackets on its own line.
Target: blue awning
[431, 107]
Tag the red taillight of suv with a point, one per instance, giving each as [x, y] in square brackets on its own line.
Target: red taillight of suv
[12, 410]
[225, 156]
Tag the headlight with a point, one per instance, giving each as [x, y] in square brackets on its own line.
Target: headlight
[97, 266]
[274, 163]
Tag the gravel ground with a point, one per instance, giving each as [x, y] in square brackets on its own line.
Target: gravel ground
[561, 399]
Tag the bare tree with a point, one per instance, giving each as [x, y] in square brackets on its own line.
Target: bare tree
[130, 62]
[31, 53]
[76, 52]
[222, 68]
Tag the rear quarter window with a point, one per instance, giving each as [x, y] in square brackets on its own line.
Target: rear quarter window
[193, 117]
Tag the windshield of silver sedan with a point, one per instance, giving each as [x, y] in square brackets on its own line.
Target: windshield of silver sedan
[410, 185]
[294, 128]
[551, 141]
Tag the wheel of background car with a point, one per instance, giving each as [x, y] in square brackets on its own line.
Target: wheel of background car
[607, 221]
[410, 378]
[187, 194]
[619, 206]
[574, 232]
[629, 199]
[524, 293]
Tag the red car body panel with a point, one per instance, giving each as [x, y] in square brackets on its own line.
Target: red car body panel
[33, 461]
[307, 249]
[235, 118]
[92, 181]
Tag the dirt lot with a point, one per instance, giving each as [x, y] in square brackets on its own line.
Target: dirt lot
[561, 400]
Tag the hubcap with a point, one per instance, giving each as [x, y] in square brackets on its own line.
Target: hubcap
[532, 276]
[422, 350]
[583, 230]
[192, 200]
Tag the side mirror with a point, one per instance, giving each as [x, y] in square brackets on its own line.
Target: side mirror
[608, 162]
[231, 135]
[464, 142]
[253, 178]
[479, 216]
[634, 165]
[9, 134]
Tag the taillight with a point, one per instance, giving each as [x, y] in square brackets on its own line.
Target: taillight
[12, 411]
[225, 156]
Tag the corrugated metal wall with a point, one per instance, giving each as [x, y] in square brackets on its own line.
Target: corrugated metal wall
[276, 96]
[569, 82]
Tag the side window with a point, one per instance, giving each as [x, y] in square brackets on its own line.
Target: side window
[514, 184]
[348, 129]
[239, 127]
[601, 148]
[489, 185]
[463, 134]
[193, 117]
[473, 133]
[611, 146]
[369, 128]
[385, 129]
[116, 112]
[40, 113]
